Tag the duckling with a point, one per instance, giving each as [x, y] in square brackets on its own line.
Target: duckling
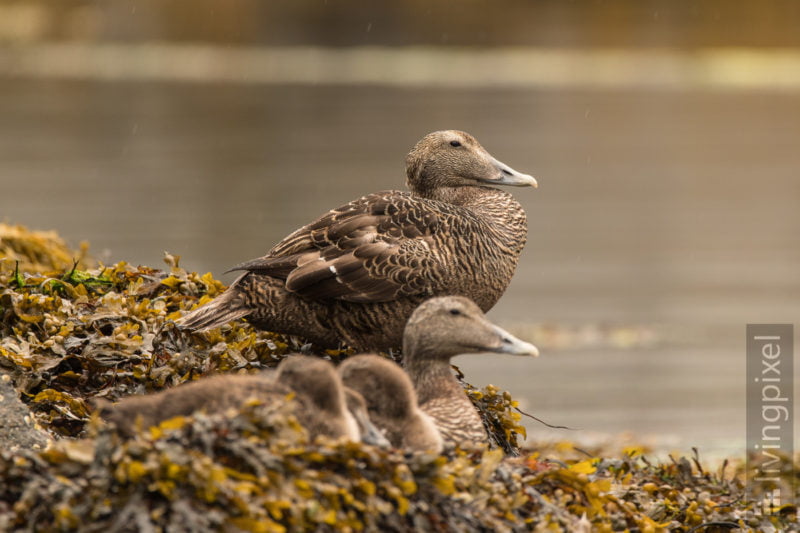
[320, 398]
[369, 432]
[317, 381]
[212, 394]
[392, 402]
[438, 330]
[356, 274]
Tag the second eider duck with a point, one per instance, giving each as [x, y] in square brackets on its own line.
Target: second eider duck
[438, 330]
[356, 274]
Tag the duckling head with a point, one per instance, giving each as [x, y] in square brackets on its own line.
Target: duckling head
[318, 382]
[385, 387]
[357, 406]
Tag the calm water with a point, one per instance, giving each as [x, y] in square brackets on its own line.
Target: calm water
[664, 222]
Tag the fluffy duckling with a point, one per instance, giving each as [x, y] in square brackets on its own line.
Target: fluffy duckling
[442, 328]
[370, 433]
[318, 383]
[391, 402]
[356, 274]
[321, 401]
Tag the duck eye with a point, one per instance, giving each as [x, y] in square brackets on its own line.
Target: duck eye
[455, 143]
[455, 312]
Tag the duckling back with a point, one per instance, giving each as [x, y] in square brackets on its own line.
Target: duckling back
[311, 384]
[214, 394]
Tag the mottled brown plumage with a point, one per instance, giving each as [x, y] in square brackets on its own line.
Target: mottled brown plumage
[391, 402]
[357, 273]
[438, 330]
[310, 382]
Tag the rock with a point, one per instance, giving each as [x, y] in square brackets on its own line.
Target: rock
[18, 428]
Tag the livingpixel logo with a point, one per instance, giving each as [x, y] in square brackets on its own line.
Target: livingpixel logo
[770, 416]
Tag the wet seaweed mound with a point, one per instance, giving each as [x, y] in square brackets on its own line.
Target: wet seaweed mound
[73, 330]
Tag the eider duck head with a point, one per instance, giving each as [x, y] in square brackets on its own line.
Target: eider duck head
[317, 380]
[455, 158]
[443, 327]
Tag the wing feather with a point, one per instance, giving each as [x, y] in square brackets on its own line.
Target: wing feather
[371, 250]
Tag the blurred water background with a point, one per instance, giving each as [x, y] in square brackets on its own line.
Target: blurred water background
[664, 136]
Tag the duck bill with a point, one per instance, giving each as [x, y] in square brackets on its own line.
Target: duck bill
[511, 345]
[370, 434]
[505, 175]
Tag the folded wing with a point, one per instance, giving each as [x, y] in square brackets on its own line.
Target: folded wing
[373, 249]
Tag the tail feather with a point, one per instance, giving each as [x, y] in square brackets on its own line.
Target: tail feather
[225, 308]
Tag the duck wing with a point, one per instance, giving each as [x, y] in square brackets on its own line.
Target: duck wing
[374, 249]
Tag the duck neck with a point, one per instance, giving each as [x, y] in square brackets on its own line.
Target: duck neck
[432, 378]
[502, 213]
[459, 195]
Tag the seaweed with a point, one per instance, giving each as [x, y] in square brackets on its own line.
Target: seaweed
[255, 470]
[73, 331]
[73, 335]
[39, 251]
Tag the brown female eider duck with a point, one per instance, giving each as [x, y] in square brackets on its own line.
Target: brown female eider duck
[391, 402]
[321, 403]
[438, 330]
[358, 272]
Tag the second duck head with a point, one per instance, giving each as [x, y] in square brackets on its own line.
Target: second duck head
[443, 327]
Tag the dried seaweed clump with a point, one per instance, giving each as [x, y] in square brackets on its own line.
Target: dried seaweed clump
[71, 335]
[39, 251]
[500, 414]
